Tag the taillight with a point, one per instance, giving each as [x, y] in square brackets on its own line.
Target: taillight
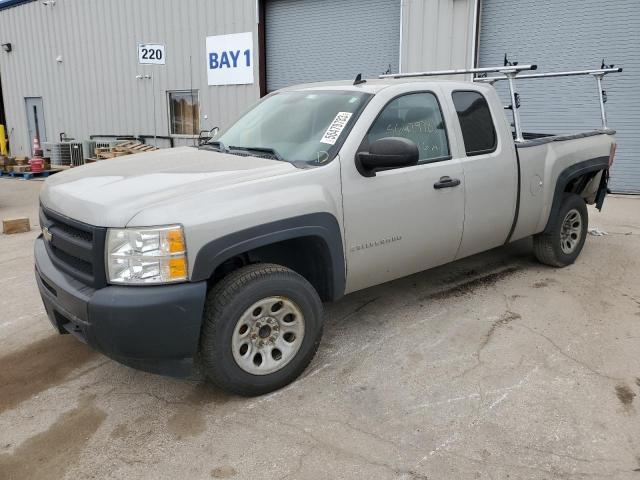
[612, 153]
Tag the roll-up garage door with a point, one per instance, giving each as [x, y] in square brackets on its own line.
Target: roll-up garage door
[572, 35]
[312, 40]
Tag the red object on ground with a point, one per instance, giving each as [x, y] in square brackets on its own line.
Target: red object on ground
[37, 164]
[37, 151]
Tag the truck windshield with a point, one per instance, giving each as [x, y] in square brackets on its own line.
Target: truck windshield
[295, 126]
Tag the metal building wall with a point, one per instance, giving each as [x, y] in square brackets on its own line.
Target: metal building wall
[437, 34]
[572, 35]
[339, 38]
[94, 90]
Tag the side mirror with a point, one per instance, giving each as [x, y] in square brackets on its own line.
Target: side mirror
[206, 135]
[387, 153]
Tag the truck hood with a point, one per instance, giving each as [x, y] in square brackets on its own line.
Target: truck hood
[109, 193]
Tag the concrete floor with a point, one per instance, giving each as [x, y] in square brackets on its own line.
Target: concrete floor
[494, 367]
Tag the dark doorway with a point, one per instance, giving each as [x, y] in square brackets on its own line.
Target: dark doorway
[3, 118]
[35, 119]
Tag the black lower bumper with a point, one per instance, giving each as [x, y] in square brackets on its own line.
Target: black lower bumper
[155, 329]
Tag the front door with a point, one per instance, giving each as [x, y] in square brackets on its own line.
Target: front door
[399, 222]
[35, 119]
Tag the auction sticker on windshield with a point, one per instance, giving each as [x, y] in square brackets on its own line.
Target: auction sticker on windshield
[335, 129]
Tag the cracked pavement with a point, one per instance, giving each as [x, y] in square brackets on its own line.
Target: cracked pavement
[493, 367]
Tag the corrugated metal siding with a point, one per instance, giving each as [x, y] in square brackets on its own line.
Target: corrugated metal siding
[308, 40]
[570, 35]
[436, 34]
[94, 89]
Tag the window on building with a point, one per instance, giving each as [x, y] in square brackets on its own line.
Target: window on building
[476, 123]
[417, 117]
[184, 112]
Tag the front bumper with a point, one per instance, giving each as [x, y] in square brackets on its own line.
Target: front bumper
[155, 329]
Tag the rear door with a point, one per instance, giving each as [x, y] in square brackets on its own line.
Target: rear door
[397, 223]
[490, 169]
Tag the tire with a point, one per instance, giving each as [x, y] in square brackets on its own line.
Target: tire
[563, 243]
[234, 352]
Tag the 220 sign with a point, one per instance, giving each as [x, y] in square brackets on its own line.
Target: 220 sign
[151, 54]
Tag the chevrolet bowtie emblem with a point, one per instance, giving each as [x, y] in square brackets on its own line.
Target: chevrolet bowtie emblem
[46, 234]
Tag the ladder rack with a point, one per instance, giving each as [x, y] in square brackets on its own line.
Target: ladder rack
[510, 73]
[597, 73]
[506, 69]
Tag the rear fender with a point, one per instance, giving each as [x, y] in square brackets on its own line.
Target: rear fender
[571, 173]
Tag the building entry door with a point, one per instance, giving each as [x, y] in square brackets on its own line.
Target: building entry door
[35, 119]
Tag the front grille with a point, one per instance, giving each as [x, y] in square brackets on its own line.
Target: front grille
[75, 233]
[74, 262]
[75, 247]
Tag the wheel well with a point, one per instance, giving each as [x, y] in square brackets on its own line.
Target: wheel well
[584, 185]
[578, 179]
[308, 256]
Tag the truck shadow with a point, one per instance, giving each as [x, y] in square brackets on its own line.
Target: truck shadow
[462, 277]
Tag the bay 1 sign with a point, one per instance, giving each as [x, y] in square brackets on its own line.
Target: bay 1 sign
[230, 59]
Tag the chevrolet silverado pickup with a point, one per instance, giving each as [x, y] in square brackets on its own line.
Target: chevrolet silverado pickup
[222, 255]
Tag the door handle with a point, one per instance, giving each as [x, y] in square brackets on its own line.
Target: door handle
[446, 182]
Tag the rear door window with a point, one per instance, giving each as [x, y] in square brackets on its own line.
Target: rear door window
[478, 131]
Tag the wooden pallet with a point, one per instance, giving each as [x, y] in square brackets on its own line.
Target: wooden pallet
[29, 175]
[133, 147]
[125, 148]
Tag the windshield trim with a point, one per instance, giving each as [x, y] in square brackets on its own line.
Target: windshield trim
[335, 148]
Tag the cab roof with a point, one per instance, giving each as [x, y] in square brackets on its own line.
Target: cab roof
[375, 85]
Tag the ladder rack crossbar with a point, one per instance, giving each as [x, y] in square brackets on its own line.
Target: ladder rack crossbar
[599, 71]
[508, 69]
[510, 74]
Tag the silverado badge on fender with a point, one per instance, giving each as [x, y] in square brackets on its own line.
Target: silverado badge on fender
[376, 243]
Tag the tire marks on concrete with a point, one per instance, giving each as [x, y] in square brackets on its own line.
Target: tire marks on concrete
[50, 453]
[40, 366]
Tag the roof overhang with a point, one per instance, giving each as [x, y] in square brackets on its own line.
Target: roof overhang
[12, 3]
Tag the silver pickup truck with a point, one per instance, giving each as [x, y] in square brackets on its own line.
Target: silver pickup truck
[222, 255]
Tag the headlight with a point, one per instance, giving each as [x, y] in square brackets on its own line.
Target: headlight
[146, 255]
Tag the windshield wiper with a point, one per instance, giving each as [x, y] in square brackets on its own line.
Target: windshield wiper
[217, 144]
[270, 151]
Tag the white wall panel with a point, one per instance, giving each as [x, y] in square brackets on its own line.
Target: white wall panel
[437, 34]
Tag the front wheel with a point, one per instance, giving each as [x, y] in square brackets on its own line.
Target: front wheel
[262, 326]
[563, 243]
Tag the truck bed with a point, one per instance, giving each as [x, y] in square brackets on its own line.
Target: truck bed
[542, 159]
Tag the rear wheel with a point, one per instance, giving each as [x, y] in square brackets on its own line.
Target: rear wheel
[563, 243]
[262, 326]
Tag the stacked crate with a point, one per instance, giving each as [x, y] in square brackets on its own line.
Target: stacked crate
[21, 166]
[6, 163]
